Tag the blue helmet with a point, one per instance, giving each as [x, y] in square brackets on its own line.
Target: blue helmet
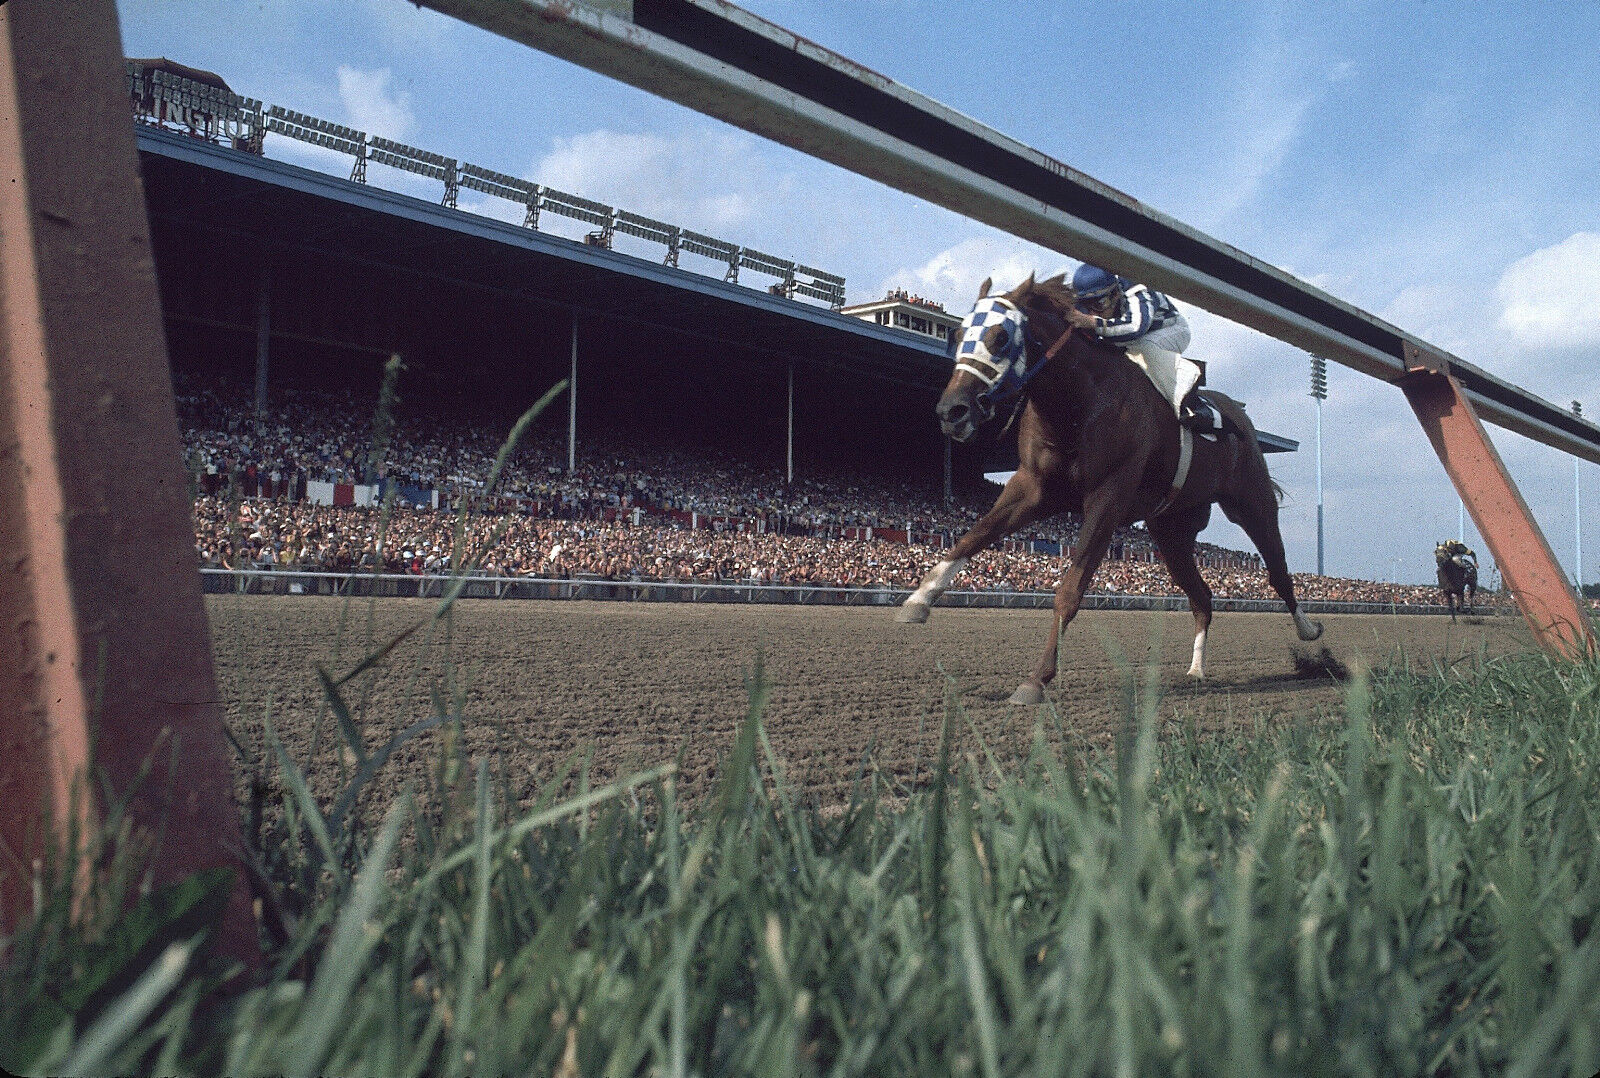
[1092, 282]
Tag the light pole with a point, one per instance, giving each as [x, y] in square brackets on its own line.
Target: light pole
[1577, 517]
[1319, 390]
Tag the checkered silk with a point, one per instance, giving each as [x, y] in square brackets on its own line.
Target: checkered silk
[1008, 362]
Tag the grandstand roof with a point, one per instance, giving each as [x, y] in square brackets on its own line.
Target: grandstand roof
[368, 269]
[203, 196]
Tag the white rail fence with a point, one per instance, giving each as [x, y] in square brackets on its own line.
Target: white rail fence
[433, 586]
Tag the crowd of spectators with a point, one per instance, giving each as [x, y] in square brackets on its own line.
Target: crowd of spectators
[912, 298]
[618, 516]
[266, 534]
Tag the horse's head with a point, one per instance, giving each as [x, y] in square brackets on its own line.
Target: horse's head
[998, 350]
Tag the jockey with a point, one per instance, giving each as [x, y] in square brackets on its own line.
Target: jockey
[1152, 330]
[1457, 551]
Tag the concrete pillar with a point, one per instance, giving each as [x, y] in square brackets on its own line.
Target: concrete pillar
[572, 402]
[263, 335]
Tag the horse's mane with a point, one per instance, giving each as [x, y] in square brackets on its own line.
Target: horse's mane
[1052, 291]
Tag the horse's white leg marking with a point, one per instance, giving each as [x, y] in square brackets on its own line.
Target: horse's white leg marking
[1308, 629]
[919, 602]
[937, 581]
[1197, 668]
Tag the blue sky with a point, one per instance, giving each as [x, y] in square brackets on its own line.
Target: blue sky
[1435, 163]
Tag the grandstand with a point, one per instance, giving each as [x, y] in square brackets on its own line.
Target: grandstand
[718, 432]
[636, 510]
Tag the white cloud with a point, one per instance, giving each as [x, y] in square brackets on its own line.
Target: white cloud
[1263, 141]
[706, 180]
[1260, 124]
[373, 106]
[953, 275]
[1551, 298]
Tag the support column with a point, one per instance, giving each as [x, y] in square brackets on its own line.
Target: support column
[1577, 516]
[103, 633]
[1526, 562]
[791, 420]
[263, 336]
[1320, 569]
[572, 402]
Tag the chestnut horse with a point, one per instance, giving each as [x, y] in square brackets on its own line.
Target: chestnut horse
[1095, 437]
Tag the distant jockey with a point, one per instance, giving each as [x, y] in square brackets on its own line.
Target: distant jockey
[1152, 330]
[1457, 551]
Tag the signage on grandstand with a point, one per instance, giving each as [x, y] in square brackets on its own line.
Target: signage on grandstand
[339, 493]
[319, 493]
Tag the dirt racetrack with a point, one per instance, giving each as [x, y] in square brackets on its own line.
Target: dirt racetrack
[637, 681]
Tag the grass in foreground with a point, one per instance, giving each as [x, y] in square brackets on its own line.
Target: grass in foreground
[1410, 890]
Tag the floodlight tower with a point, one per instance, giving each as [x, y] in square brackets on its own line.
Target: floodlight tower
[1319, 390]
[1577, 516]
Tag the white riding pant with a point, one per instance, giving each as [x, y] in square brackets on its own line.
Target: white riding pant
[1157, 354]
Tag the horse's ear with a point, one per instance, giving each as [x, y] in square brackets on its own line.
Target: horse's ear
[983, 289]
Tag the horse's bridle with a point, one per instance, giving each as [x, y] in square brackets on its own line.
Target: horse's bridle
[1004, 376]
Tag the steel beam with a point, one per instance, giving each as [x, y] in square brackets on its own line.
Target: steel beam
[1527, 564]
[105, 654]
[728, 63]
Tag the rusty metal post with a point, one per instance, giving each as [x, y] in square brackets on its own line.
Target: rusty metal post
[1527, 564]
[104, 645]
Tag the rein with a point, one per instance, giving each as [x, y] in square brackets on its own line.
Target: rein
[1027, 376]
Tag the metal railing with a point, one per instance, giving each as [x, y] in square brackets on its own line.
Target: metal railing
[434, 586]
[170, 100]
[728, 63]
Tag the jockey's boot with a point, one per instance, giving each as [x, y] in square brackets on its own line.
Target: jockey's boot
[1198, 415]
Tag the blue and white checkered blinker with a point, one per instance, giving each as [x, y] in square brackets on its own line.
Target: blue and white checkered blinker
[994, 348]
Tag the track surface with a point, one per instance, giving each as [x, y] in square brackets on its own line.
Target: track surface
[637, 681]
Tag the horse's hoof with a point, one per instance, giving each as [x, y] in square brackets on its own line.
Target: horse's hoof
[1314, 634]
[1029, 692]
[911, 613]
[1197, 673]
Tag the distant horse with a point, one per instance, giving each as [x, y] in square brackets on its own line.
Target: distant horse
[1095, 437]
[1458, 579]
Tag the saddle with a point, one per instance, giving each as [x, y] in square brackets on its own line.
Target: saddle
[1195, 411]
[1201, 416]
